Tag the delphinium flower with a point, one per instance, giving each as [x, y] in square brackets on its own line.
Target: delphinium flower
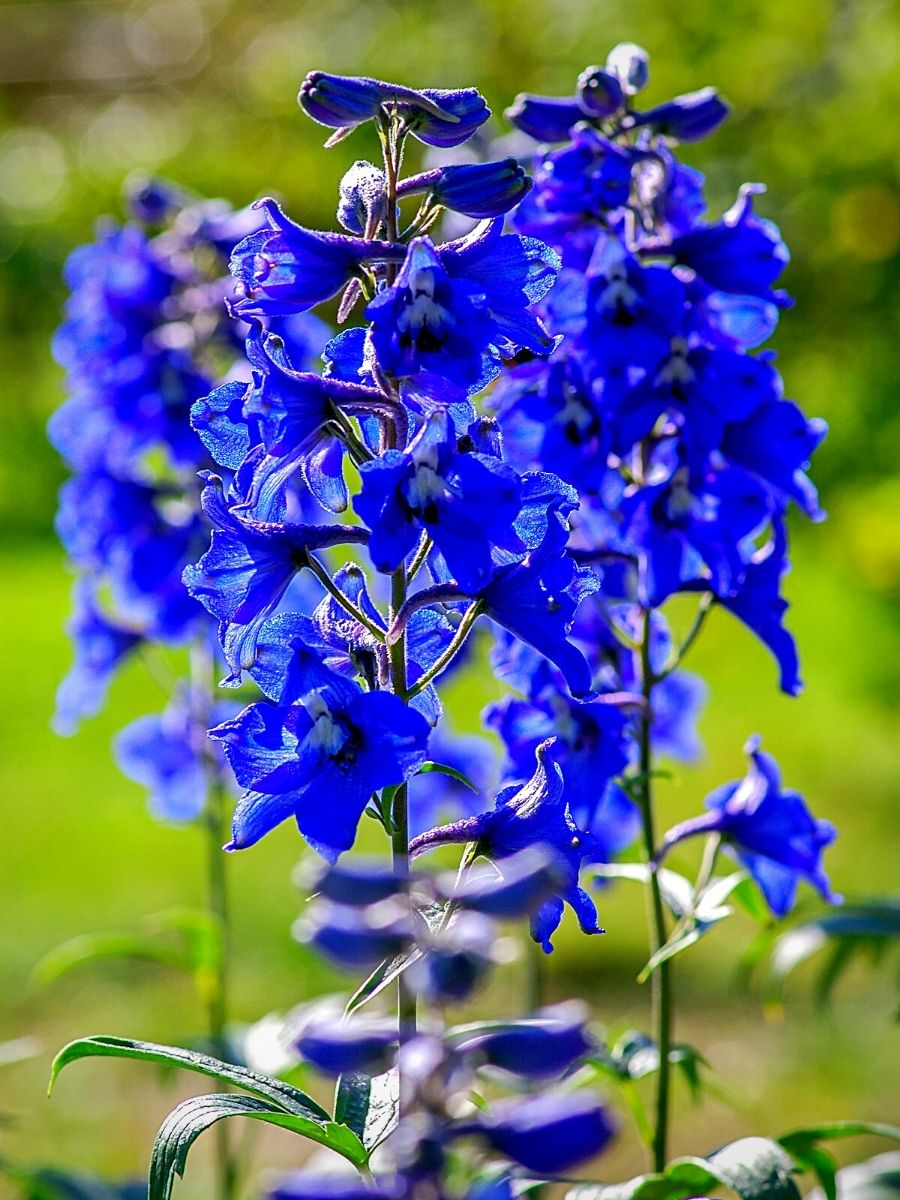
[659, 406]
[438, 1134]
[382, 453]
[768, 828]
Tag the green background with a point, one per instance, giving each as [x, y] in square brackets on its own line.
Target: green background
[204, 92]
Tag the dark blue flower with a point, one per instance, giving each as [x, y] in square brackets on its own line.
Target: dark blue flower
[165, 754]
[515, 886]
[357, 937]
[362, 1046]
[742, 253]
[759, 604]
[101, 645]
[313, 1185]
[341, 101]
[776, 441]
[536, 599]
[770, 830]
[589, 175]
[341, 742]
[443, 116]
[357, 883]
[454, 960]
[687, 118]
[465, 502]
[456, 310]
[547, 1134]
[476, 190]
[288, 269]
[246, 571]
[532, 814]
[694, 528]
[599, 92]
[542, 1046]
[545, 118]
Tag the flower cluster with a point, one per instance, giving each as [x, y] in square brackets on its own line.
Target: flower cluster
[146, 335]
[679, 439]
[361, 914]
[449, 531]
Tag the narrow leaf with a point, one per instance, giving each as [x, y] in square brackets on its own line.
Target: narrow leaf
[429, 768]
[288, 1098]
[188, 1120]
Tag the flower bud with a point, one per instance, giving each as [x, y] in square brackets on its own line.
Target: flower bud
[476, 190]
[455, 961]
[353, 937]
[363, 1046]
[599, 92]
[443, 116]
[514, 886]
[631, 65]
[339, 101]
[687, 118]
[362, 194]
[358, 883]
[548, 1134]
[545, 118]
[547, 1044]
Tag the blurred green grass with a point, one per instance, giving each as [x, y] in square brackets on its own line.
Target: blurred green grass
[203, 91]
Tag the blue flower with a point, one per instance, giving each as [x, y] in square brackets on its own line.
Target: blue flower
[536, 599]
[101, 645]
[246, 571]
[776, 441]
[476, 190]
[341, 742]
[770, 830]
[436, 116]
[365, 1045]
[456, 310]
[545, 118]
[600, 93]
[694, 528]
[288, 269]
[547, 1134]
[687, 118]
[759, 604]
[165, 754]
[532, 814]
[742, 253]
[545, 1045]
[466, 502]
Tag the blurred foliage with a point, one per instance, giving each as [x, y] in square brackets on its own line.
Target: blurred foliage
[203, 92]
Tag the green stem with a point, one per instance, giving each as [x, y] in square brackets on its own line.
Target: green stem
[661, 980]
[703, 609]
[216, 899]
[419, 557]
[345, 602]
[443, 660]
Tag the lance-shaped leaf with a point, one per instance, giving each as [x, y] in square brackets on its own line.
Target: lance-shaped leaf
[803, 1147]
[188, 1120]
[285, 1097]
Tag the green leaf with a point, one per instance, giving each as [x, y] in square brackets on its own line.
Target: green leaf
[188, 1120]
[676, 889]
[429, 768]
[351, 1101]
[798, 1139]
[384, 1109]
[94, 947]
[288, 1098]
[752, 901]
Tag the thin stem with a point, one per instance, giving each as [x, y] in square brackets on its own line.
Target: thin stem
[345, 431]
[443, 660]
[216, 901]
[661, 982]
[345, 602]
[703, 609]
[422, 551]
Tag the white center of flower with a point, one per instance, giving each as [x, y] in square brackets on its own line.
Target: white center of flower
[575, 412]
[677, 370]
[618, 291]
[680, 499]
[424, 312]
[427, 485]
[326, 734]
